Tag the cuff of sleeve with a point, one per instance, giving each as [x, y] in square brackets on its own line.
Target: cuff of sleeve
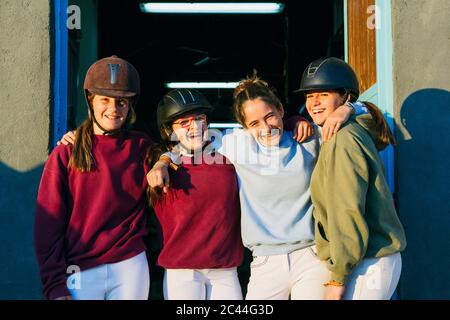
[175, 157]
[359, 107]
[338, 277]
[58, 291]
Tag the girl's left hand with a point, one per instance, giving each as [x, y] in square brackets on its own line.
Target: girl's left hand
[334, 292]
[335, 121]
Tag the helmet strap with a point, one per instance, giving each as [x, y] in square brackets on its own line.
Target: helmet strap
[168, 130]
[351, 95]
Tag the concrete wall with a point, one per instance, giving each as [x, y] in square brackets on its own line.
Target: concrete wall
[421, 48]
[25, 85]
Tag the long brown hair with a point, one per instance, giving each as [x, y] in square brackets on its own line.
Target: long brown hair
[380, 126]
[82, 157]
[249, 89]
[384, 133]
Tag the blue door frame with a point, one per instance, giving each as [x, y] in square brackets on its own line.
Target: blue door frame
[60, 70]
[381, 93]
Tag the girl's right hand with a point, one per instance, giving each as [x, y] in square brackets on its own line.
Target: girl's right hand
[158, 177]
[68, 138]
[303, 131]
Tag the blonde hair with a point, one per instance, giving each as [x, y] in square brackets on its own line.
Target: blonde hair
[249, 89]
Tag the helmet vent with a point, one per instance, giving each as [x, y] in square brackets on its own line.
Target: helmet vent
[313, 67]
[193, 99]
[176, 103]
[182, 97]
[113, 71]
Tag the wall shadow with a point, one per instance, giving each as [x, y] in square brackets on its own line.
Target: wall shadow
[423, 193]
[18, 192]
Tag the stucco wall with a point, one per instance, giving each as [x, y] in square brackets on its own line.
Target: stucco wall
[25, 85]
[421, 66]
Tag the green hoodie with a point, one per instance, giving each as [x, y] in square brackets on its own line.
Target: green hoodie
[354, 211]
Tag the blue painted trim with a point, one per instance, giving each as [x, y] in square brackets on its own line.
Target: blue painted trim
[60, 76]
[345, 32]
[385, 80]
[370, 94]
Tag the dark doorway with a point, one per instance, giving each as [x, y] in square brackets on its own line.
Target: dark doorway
[195, 47]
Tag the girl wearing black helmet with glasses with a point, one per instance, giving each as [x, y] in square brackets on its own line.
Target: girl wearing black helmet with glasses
[200, 213]
[357, 231]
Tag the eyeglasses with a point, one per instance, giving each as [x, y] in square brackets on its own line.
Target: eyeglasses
[187, 122]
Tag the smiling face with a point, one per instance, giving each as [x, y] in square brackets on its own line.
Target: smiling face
[321, 104]
[111, 113]
[263, 121]
[190, 130]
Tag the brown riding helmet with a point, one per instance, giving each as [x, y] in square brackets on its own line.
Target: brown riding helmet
[112, 77]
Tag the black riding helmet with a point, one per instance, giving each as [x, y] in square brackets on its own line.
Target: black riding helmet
[327, 74]
[179, 102]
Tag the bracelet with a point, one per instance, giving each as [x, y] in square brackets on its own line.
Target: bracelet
[333, 283]
[169, 162]
[165, 159]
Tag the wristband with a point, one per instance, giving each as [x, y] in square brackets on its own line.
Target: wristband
[333, 283]
[169, 162]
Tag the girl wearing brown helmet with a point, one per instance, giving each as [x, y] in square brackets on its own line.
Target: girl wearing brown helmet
[91, 206]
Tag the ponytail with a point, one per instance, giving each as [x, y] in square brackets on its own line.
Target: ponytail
[384, 133]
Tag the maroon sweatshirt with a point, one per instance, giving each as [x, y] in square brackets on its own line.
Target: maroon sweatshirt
[200, 218]
[92, 218]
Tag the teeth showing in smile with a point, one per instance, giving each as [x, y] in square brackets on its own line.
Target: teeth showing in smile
[317, 111]
[112, 117]
[271, 134]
